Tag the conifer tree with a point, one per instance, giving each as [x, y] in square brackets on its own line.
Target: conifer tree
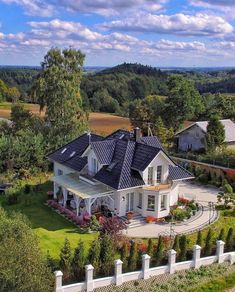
[124, 256]
[183, 248]
[229, 240]
[51, 263]
[208, 243]
[94, 256]
[150, 248]
[65, 259]
[176, 244]
[133, 258]
[222, 234]
[107, 254]
[199, 238]
[78, 261]
[159, 251]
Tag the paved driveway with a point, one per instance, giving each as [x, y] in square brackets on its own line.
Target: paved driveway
[202, 194]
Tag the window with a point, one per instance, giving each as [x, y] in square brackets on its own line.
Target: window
[63, 151]
[150, 175]
[94, 165]
[159, 174]
[140, 200]
[151, 203]
[163, 202]
[60, 172]
[72, 154]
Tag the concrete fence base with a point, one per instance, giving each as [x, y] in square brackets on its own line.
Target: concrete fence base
[119, 278]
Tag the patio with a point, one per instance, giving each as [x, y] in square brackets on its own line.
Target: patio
[84, 196]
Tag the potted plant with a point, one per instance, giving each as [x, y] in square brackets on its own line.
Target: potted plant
[130, 215]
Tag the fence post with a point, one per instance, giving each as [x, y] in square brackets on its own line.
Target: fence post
[145, 265]
[220, 251]
[89, 278]
[58, 281]
[171, 260]
[196, 256]
[118, 272]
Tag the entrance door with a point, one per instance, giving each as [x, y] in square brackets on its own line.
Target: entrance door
[129, 202]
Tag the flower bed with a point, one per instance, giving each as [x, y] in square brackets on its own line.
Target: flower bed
[78, 220]
[184, 210]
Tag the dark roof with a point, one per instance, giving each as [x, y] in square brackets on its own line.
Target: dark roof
[143, 155]
[120, 135]
[177, 173]
[122, 158]
[121, 176]
[70, 154]
[104, 150]
[151, 141]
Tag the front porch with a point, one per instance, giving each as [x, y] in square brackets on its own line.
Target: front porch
[85, 197]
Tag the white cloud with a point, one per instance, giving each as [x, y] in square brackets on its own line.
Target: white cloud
[33, 7]
[102, 7]
[179, 24]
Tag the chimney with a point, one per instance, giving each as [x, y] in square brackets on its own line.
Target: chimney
[137, 134]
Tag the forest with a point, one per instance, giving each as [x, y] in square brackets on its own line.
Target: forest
[118, 89]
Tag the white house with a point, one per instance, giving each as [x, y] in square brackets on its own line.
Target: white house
[116, 174]
[192, 138]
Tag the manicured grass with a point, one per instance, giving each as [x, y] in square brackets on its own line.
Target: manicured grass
[217, 285]
[50, 227]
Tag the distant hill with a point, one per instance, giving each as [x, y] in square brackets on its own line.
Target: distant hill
[114, 88]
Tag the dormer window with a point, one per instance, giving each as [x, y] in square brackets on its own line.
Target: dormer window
[150, 175]
[72, 154]
[63, 151]
[159, 174]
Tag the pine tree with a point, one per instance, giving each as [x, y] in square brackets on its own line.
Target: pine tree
[229, 240]
[51, 263]
[208, 243]
[150, 248]
[94, 256]
[133, 258]
[222, 234]
[199, 238]
[78, 261]
[215, 133]
[107, 254]
[159, 251]
[65, 259]
[183, 248]
[176, 244]
[124, 256]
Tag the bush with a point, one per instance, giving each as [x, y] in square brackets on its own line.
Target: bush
[12, 196]
[179, 214]
[203, 178]
[94, 223]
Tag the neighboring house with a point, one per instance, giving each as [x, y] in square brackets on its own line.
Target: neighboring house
[116, 174]
[192, 138]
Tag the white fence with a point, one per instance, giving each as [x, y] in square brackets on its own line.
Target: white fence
[90, 284]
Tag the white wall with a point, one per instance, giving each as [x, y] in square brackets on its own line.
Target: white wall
[174, 194]
[91, 155]
[160, 159]
[191, 138]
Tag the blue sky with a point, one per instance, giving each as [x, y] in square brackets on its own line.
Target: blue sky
[109, 32]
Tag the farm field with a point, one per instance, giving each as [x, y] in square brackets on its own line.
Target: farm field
[101, 123]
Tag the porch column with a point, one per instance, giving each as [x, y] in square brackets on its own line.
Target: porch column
[77, 200]
[65, 195]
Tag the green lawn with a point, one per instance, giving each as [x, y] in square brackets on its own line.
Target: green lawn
[50, 227]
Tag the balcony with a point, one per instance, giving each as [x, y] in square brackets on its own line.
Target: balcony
[158, 187]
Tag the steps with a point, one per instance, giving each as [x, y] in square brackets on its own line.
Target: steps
[136, 221]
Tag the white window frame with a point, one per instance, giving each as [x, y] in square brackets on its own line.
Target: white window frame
[140, 201]
[163, 202]
[159, 179]
[152, 207]
[150, 175]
